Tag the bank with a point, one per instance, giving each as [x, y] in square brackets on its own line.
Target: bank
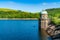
[18, 18]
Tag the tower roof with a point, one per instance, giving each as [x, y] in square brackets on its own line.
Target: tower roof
[44, 12]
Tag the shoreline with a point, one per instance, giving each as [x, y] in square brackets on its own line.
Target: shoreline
[18, 18]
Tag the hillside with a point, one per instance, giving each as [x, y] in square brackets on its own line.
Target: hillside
[54, 15]
[10, 13]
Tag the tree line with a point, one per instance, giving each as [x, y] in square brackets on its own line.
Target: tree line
[54, 15]
[9, 13]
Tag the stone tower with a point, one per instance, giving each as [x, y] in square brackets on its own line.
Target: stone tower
[44, 19]
[44, 25]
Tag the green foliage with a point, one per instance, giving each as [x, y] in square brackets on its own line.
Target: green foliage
[9, 13]
[54, 15]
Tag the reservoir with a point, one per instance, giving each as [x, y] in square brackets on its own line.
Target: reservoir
[19, 30]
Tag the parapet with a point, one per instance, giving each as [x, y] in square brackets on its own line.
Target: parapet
[44, 12]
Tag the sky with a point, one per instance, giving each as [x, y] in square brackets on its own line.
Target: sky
[30, 5]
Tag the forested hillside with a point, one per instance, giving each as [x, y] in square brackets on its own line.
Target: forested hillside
[10, 13]
[54, 15]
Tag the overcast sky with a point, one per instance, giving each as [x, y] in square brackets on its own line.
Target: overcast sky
[30, 5]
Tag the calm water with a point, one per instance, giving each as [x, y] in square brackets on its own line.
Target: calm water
[19, 30]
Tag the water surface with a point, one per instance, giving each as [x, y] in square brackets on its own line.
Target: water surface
[19, 30]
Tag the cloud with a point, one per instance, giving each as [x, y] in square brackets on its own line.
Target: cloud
[50, 5]
[54, 3]
[10, 2]
[44, 3]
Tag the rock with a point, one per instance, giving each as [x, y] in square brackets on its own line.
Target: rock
[56, 37]
[54, 32]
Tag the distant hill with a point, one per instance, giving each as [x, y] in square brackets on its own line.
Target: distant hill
[54, 15]
[10, 13]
